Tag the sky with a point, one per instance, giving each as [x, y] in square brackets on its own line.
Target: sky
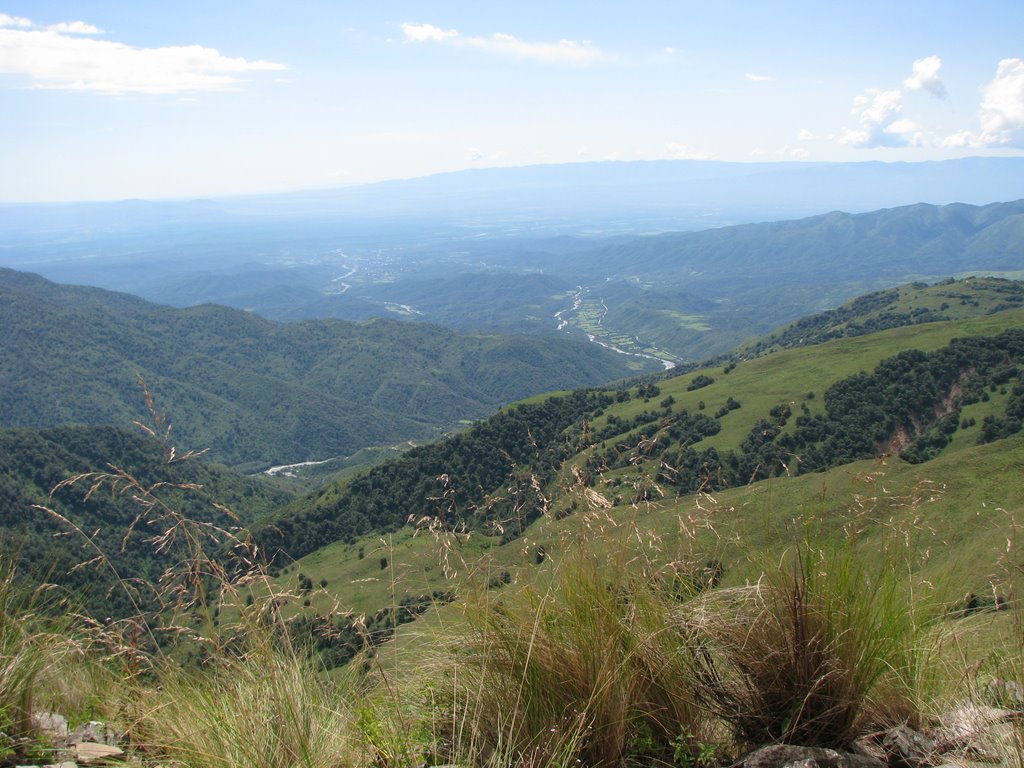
[115, 99]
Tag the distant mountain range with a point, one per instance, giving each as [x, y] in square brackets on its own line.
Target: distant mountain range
[638, 196]
[682, 295]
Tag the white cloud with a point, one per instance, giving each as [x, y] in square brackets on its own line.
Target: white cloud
[805, 135]
[881, 122]
[419, 33]
[684, 152]
[904, 126]
[1001, 115]
[790, 151]
[563, 51]
[926, 77]
[14, 21]
[474, 154]
[75, 28]
[670, 50]
[1002, 106]
[960, 140]
[54, 59]
[759, 78]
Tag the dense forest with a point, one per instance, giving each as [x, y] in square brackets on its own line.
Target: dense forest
[453, 480]
[260, 392]
[112, 522]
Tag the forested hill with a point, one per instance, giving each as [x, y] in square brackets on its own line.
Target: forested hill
[33, 462]
[748, 280]
[912, 391]
[258, 391]
[897, 307]
[837, 247]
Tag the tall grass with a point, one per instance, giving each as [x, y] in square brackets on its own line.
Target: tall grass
[599, 657]
[266, 708]
[210, 674]
[816, 653]
[587, 670]
[32, 655]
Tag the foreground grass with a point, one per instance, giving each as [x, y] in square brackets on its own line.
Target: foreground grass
[264, 707]
[809, 610]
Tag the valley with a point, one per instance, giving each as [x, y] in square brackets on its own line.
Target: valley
[586, 316]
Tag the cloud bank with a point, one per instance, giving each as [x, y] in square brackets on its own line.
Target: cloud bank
[61, 57]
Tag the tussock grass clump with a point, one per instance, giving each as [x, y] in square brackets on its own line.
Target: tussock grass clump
[817, 652]
[44, 667]
[25, 653]
[267, 708]
[587, 669]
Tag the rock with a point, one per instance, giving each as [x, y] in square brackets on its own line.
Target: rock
[91, 752]
[977, 733]
[95, 732]
[1005, 693]
[50, 726]
[791, 756]
[967, 722]
[906, 747]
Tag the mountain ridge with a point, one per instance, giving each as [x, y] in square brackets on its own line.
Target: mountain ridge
[258, 391]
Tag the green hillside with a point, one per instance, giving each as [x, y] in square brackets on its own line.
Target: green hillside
[260, 392]
[897, 307]
[923, 390]
[954, 511]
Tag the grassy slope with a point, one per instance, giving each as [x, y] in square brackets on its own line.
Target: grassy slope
[787, 376]
[977, 489]
[957, 510]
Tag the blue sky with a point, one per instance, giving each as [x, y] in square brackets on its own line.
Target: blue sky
[110, 100]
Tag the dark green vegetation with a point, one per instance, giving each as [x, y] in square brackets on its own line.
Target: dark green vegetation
[33, 462]
[517, 450]
[256, 391]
